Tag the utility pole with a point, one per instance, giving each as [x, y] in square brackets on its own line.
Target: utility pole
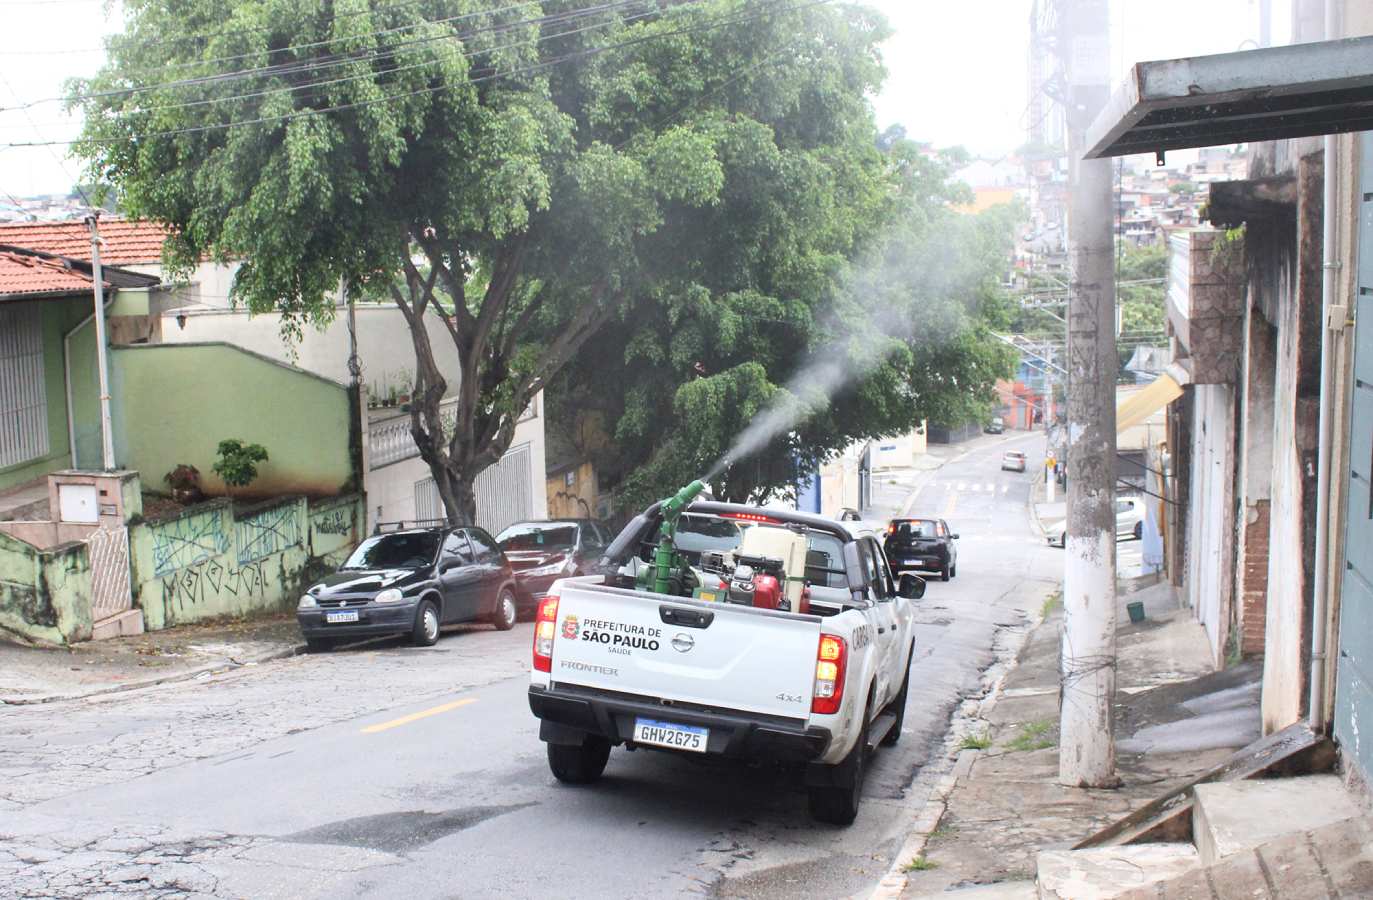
[101, 353]
[1088, 655]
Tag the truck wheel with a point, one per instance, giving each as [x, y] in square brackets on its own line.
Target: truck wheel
[898, 706]
[580, 764]
[504, 616]
[943, 573]
[318, 645]
[838, 805]
[426, 630]
[1139, 531]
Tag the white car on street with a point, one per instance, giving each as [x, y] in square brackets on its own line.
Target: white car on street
[1129, 522]
[820, 680]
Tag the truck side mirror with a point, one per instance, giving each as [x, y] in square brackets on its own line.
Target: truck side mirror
[911, 587]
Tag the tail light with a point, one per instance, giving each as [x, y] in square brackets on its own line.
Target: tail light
[831, 658]
[545, 629]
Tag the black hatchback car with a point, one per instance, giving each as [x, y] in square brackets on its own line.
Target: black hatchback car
[542, 552]
[921, 544]
[411, 581]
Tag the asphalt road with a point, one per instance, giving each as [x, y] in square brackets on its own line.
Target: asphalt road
[417, 772]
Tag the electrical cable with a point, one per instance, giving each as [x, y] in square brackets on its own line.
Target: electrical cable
[209, 35]
[388, 72]
[321, 62]
[585, 54]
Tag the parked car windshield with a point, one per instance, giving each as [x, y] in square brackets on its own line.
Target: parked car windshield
[395, 551]
[538, 537]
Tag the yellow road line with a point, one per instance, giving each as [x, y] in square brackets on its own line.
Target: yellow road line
[415, 717]
[951, 505]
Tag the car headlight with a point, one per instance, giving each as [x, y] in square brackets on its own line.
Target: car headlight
[307, 602]
[390, 595]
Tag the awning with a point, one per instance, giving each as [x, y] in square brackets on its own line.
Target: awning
[1325, 87]
[1144, 403]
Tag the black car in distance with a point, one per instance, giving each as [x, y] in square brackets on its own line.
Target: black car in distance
[921, 544]
[542, 552]
[411, 581]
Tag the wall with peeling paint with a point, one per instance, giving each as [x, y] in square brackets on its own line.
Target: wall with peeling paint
[45, 595]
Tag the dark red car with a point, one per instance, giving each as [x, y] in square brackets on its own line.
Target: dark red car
[542, 552]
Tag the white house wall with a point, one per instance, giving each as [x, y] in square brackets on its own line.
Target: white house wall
[1211, 564]
[392, 488]
[384, 344]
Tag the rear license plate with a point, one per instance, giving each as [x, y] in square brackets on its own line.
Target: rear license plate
[335, 618]
[670, 734]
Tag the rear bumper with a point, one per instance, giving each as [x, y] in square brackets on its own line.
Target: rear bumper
[567, 717]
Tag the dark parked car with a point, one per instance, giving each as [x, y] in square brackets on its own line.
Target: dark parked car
[411, 581]
[921, 544]
[542, 552]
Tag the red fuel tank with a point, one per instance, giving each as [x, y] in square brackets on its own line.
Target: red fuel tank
[767, 594]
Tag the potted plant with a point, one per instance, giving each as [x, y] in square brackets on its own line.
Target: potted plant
[184, 481]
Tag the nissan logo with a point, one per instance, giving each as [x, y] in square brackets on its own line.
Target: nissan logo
[683, 642]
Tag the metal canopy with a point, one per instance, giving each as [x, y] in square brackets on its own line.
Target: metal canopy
[1230, 98]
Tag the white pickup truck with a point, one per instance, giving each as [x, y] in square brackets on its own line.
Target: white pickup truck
[616, 665]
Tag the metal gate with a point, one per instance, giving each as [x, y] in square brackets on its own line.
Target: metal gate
[108, 549]
[504, 493]
[1354, 672]
[23, 397]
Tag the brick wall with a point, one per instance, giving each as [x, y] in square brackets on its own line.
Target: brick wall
[1253, 586]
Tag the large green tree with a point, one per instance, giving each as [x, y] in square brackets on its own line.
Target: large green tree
[524, 172]
[862, 306]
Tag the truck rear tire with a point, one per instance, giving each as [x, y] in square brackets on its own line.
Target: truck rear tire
[579, 763]
[838, 805]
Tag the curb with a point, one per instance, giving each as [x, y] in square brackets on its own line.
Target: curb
[217, 668]
[894, 883]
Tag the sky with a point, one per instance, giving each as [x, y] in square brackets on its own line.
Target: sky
[957, 68]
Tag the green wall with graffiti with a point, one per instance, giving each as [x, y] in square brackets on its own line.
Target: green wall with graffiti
[220, 559]
[174, 403]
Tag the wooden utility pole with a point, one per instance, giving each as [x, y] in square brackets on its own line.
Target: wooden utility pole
[1088, 656]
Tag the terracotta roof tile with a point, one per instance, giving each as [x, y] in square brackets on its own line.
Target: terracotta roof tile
[127, 242]
[21, 274]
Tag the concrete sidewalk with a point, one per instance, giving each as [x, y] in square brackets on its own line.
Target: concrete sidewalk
[40, 675]
[1002, 804]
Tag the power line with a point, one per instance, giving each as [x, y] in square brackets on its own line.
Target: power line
[327, 60]
[207, 35]
[391, 72]
[76, 183]
[584, 54]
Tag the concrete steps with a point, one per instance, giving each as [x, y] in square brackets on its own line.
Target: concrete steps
[1106, 873]
[1238, 816]
[124, 624]
[1251, 837]
[1333, 861]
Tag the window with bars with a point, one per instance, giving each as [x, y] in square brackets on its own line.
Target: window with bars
[23, 395]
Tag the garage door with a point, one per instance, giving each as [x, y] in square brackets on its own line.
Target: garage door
[23, 398]
[504, 493]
